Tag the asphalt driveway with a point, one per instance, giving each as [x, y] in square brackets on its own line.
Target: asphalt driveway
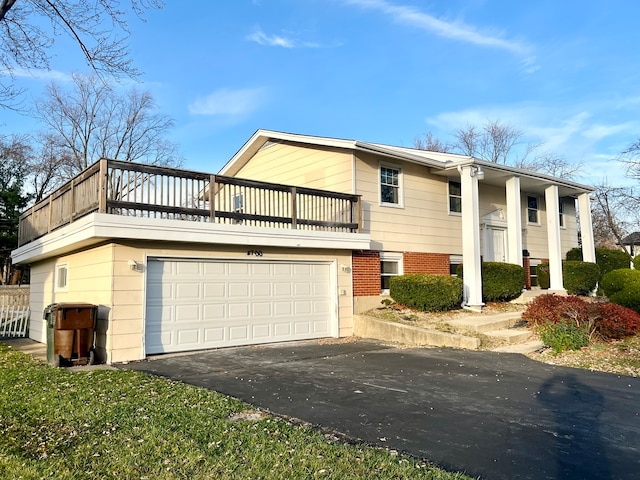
[492, 415]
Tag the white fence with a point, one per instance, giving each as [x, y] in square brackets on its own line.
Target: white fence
[14, 311]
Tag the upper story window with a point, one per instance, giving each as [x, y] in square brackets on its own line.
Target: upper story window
[455, 197]
[390, 185]
[532, 209]
[561, 213]
[61, 277]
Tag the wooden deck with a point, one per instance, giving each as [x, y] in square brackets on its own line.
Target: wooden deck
[138, 190]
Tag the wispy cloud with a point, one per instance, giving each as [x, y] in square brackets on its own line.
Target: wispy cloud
[443, 28]
[262, 38]
[288, 41]
[37, 74]
[229, 102]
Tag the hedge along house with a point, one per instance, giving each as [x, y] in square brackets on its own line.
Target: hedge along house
[294, 236]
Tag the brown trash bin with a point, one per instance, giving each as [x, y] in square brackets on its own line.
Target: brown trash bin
[73, 333]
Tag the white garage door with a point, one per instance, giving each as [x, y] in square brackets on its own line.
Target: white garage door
[199, 304]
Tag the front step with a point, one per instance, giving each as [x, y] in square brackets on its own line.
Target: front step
[478, 324]
[511, 336]
[528, 347]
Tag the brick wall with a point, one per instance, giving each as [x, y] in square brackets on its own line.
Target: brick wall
[415, 262]
[366, 273]
[526, 264]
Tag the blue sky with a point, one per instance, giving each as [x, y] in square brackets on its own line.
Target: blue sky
[386, 71]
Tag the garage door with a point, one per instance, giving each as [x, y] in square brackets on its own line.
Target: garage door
[198, 304]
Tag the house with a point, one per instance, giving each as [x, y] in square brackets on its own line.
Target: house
[294, 236]
[632, 241]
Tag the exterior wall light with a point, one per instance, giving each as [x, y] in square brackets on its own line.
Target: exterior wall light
[477, 171]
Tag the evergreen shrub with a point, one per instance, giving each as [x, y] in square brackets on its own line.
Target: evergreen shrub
[426, 292]
[580, 278]
[622, 286]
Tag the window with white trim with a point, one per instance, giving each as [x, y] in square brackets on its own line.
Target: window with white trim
[455, 197]
[454, 262]
[561, 212]
[390, 185]
[390, 266]
[61, 277]
[532, 209]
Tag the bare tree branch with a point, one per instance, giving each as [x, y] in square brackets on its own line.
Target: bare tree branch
[98, 27]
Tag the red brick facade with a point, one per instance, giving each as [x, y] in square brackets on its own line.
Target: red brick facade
[526, 264]
[366, 269]
[366, 273]
[415, 262]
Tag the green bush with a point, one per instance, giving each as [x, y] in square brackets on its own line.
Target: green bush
[622, 286]
[544, 279]
[501, 282]
[609, 260]
[429, 293]
[636, 262]
[564, 335]
[580, 278]
[575, 254]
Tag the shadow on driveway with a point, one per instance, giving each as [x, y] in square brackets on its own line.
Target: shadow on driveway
[493, 415]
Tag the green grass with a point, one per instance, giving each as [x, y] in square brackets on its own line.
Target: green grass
[101, 424]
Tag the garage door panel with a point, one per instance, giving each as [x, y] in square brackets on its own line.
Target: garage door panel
[188, 337]
[186, 313]
[239, 290]
[206, 304]
[214, 290]
[261, 331]
[215, 334]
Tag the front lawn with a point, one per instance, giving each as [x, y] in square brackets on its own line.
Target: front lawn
[55, 423]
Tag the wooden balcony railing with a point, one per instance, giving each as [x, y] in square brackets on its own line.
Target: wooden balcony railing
[137, 190]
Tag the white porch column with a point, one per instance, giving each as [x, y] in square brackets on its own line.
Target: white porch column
[471, 239]
[553, 237]
[514, 221]
[586, 228]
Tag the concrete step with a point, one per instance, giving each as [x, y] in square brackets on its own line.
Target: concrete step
[511, 336]
[527, 347]
[480, 324]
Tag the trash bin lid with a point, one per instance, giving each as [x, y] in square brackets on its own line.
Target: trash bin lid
[71, 305]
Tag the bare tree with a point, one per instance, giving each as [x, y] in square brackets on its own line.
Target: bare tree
[92, 121]
[431, 143]
[551, 164]
[98, 27]
[494, 142]
[630, 157]
[614, 212]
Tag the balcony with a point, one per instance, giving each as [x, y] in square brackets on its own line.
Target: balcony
[146, 191]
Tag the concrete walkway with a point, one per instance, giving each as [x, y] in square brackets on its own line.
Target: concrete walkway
[492, 415]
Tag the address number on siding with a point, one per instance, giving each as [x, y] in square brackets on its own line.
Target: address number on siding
[255, 253]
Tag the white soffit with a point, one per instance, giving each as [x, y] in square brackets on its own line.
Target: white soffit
[100, 227]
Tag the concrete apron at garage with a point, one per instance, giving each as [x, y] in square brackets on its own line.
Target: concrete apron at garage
[493, 415]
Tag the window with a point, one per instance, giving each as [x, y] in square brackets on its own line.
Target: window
[532, 209]
[454, 262]
[390, 266]
[561, 213]
[533, 272]
[455, 197]
[238, 203]
[61, 277]
[390, 185]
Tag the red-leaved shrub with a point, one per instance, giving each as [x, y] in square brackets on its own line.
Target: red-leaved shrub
[615, 321]
[555, 308]
[603, 319]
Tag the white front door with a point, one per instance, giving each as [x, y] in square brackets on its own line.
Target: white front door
[495, 249]
[198, 304]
